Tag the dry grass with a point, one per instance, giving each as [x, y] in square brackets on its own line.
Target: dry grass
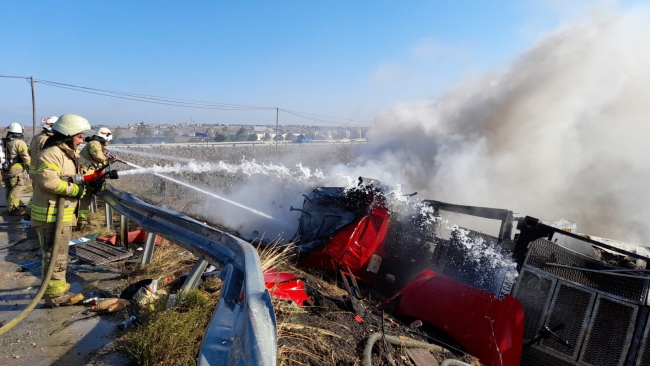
[168, 260]
[174, 336]
[275, 256]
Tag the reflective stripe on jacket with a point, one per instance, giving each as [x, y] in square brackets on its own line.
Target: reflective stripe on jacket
[56, 166]
[35, 147]
[92, 156]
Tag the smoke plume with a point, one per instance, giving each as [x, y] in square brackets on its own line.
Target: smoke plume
[560, 133]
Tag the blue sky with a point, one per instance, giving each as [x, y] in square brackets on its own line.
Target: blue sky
[347, 59]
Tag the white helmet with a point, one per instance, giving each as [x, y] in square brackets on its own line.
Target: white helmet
[71, 124]
[14, 127]
[104, 133]
[49, 122]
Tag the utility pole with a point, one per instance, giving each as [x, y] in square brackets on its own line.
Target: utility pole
[277, 114]
[31, 78]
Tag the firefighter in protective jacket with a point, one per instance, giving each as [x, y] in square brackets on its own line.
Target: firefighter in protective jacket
[93, 157]
[57, 164]
[13, 170]
[34, 148]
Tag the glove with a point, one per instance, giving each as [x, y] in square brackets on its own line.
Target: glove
[79, 191]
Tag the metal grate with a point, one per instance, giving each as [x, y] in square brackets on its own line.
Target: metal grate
[533, 356]
[543, 251]
[97, 253]
[610, 333]
[644, 351]
[571, 306]
[534, 292]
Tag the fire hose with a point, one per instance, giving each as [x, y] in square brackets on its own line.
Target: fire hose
[60, 203]
[367, 352]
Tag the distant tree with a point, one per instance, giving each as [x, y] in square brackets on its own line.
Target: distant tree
[142, 133]
[301, 136]
[170, 135]
[252, 137]
[290, 137]
[267, 137]
[278, 137]
[117, 135]
[221, 138]
[241, 134]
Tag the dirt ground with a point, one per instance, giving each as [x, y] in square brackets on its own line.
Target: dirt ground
[42, 338]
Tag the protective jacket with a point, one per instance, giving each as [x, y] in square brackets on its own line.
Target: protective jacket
[92, 156]
[35, 147]
[56, 166]
[18, 155]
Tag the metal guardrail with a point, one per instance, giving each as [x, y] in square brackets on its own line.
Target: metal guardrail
[243, 330]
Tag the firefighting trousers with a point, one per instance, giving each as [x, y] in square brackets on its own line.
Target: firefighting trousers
[57, 285]
[14, 188]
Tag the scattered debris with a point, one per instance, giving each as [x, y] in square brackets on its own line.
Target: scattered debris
[135, 237]
[110, 305]
[286, 286]
[132, 289]
[171, 301]
[144, 297]
[97, 253]
[131, 320]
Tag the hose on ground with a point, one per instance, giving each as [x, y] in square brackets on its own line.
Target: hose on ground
[453, 362]
[48, 275]
[367, 352]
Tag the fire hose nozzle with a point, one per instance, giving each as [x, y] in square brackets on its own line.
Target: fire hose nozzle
[96, 176]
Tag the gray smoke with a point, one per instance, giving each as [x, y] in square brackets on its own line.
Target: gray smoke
[560, 133]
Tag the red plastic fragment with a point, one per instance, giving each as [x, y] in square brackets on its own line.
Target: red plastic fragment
[358, 319]
[283, 285]
[488, 328]
[136, 237]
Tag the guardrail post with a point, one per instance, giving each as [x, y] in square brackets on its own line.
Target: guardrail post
[109, 217]
[93, 204]
[149, 246]
[194, 277]
[124, 232]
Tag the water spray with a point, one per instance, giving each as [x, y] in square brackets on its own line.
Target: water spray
[203, 191]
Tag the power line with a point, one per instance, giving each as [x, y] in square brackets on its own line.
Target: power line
[316, 115]
[189, 103]
[161, 101]
[321, 120]
[14, 77]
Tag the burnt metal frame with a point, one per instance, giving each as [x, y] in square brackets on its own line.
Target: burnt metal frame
[243, 330]
[503, 215]
[531, 229]
[641, 334]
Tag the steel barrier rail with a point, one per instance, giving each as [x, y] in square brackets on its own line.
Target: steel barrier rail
[243, 330]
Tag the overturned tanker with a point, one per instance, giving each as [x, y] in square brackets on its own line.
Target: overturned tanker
[526, 293]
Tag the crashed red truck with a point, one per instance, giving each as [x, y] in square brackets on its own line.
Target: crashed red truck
[559, 299]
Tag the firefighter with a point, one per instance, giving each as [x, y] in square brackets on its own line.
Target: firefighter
[57, 164]
[35, 147]
[37, 144]
[93, 157]
[13, 171]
